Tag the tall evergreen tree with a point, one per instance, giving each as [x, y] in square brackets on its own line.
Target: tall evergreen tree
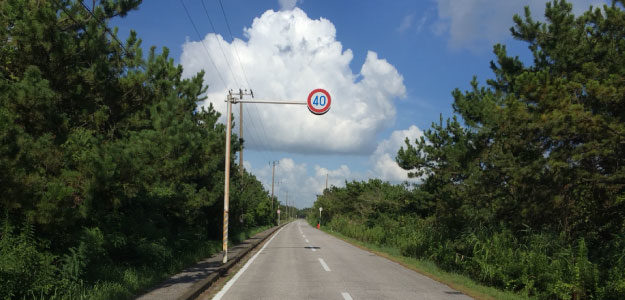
[104, 154]
[542, 144]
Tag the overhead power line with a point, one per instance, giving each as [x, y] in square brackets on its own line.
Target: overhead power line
[219, 43]
[235, 48]
[262, 142]
[105, 27]
[253, 138]
[204, 45]
[262, 126]
[71, 17]
[223, 81]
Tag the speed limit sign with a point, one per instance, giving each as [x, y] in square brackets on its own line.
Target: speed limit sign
[319, 101]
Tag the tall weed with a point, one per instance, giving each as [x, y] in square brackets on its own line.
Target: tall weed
[25, 267]
[543, 265]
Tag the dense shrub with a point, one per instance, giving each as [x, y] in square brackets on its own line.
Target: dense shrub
[25, 267]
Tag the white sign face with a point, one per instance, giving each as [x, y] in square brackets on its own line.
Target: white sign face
[319, 101]
[278, 211]
[320, 208]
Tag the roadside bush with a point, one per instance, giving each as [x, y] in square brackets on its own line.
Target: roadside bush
[614, 277]
[420, 240]
[25, 267]
[542, 265]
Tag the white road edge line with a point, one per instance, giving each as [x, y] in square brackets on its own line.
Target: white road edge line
[230, 283]
[324, 265]
[346, 296]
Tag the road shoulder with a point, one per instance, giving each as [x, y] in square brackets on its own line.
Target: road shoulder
[193, 281]
[455, 281]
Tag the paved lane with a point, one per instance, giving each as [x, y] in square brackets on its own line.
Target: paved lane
[301, 262]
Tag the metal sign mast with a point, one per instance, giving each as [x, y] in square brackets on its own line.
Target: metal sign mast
[318, 103]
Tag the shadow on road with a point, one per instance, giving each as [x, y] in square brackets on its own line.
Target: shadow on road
[306, 247]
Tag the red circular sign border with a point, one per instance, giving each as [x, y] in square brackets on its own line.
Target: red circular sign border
[319, 111]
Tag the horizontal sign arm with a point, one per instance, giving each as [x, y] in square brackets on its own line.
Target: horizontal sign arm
[267, 102]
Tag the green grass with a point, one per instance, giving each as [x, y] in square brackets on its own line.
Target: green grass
[285, 220]
[428, 268]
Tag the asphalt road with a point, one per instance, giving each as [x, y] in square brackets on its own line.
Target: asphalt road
[301, 262]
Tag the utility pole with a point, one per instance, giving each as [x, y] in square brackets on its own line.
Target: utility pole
[230, 99]
[317, 109]
[326, 181]
[241, 134]
[287, 204]
[273, 171]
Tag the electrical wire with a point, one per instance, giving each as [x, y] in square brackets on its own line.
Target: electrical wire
[253, 134]
[211, 58]
[105, 27]
[99, 21]
[210, 21]
[213, 63]
[204, 45]
[264, 131]
[235, 48]
[219, 43]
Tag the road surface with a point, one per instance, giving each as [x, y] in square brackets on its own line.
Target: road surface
[301, 262]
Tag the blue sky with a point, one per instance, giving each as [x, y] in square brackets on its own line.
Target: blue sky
[389, 65]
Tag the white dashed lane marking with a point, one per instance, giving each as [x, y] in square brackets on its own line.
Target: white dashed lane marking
[324, 265]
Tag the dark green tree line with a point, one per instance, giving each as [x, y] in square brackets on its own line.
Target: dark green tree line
[105, 157]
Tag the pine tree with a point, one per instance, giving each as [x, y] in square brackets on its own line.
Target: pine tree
[104, 151]
[543, 144]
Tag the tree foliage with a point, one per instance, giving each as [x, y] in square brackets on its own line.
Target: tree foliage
[543, 145]
[524, 187]
[104, 154]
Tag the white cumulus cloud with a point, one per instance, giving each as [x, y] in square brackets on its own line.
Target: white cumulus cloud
[304, 182]
[286, 56]
[479, 23]
[383, 163]
[294, 177]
